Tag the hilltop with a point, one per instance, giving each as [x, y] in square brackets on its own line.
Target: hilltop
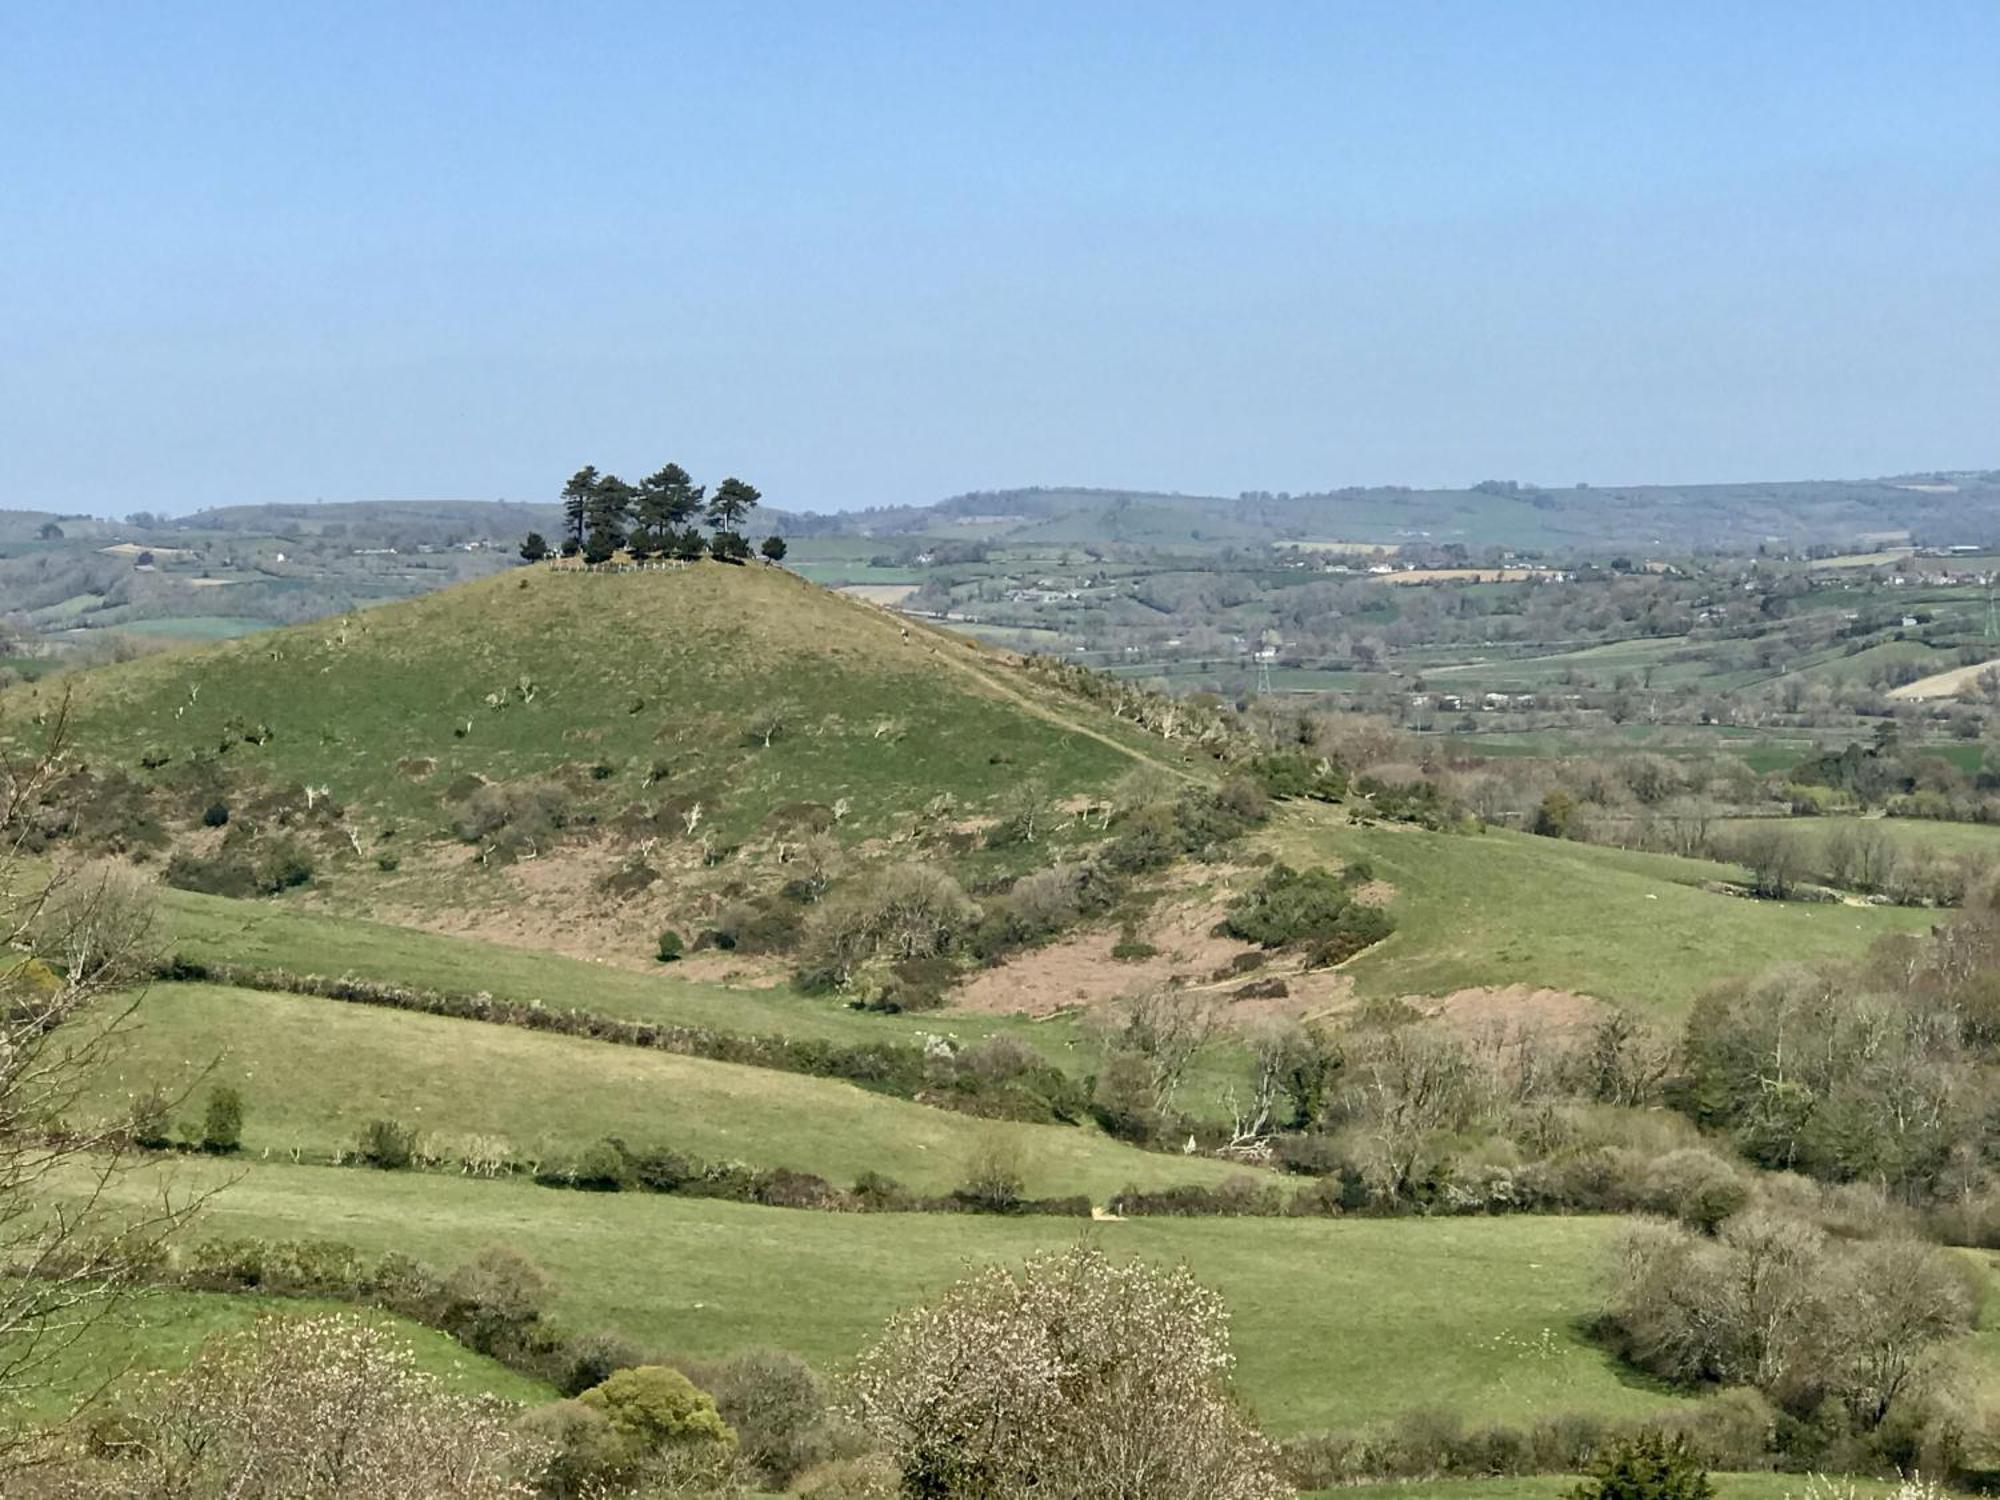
[607, 729]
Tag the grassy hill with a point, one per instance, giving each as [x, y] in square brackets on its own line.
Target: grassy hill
[638, 688]
[1504, 908]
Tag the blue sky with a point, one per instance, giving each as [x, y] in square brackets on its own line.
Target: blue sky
[880, 253]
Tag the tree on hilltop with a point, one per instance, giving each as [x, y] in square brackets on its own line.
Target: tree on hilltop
[535, 548]
[576, 507]
[773, 549]
[608, 513]
[669, 498]
[730, 506]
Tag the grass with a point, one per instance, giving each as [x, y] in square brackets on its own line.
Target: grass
[640, 687]
[1336, 1322]
[1931, 835]
[194, 627]
[1502, 908]
[162, 1330]
[541, 1093]
[272, 934]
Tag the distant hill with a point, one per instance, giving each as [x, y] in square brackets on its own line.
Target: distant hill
[1928, 509]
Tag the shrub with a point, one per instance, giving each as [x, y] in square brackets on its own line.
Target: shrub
[493, 1299]
[1647, 1467]
[600, 1169]
[387, 1144]
[222, 1121]
[148, 1124]
[774, 1403]
[593, 1358]
[215, 815]
[669, 949]
[654, 1407]
[1294, 773]
[1313, 907]
[994, 1180]
[1076, 1375]
[881, 1194]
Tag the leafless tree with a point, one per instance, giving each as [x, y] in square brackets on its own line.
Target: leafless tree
[1170, 1028]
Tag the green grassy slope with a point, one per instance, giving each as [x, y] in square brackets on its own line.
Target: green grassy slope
[642, 686]
[314, 1072]
[215, 929]
[1335, 1321]
[161, 1331]
[1504, 908]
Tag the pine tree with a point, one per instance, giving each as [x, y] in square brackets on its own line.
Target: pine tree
[668, 498]
[576, 507]
[535, 548]
[773, 549]
[731, 505]
[607, 513]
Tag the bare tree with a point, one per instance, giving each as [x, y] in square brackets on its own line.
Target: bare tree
[1170, 1028]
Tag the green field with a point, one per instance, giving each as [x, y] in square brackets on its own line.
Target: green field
[314, 1072]
[161, 1330]
[1502, 908]
[193, 627]
[1930, 835]
[1336, 1322]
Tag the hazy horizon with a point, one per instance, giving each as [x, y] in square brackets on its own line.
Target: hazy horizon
[884, 254]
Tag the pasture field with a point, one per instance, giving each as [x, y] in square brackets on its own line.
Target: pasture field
[1930, 835]
[1503, 908]
[1335, 1322]
[314, 1072]
[272, 934]
[193, 627]
[161, 1330]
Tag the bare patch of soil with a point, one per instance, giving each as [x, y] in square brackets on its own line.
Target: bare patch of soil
[1080, 971]
[1511, 1005]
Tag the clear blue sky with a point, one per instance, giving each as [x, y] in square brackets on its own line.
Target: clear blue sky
[878, 253]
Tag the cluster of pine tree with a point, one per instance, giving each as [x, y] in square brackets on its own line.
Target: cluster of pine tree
[660, 516]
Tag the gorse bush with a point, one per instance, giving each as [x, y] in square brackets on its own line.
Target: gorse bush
[1312, 908]
[1648, 1467]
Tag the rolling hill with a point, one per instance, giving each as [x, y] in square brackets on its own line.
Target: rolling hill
[733, 687]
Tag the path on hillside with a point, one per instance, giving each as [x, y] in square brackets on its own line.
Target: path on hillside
[941, 644]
